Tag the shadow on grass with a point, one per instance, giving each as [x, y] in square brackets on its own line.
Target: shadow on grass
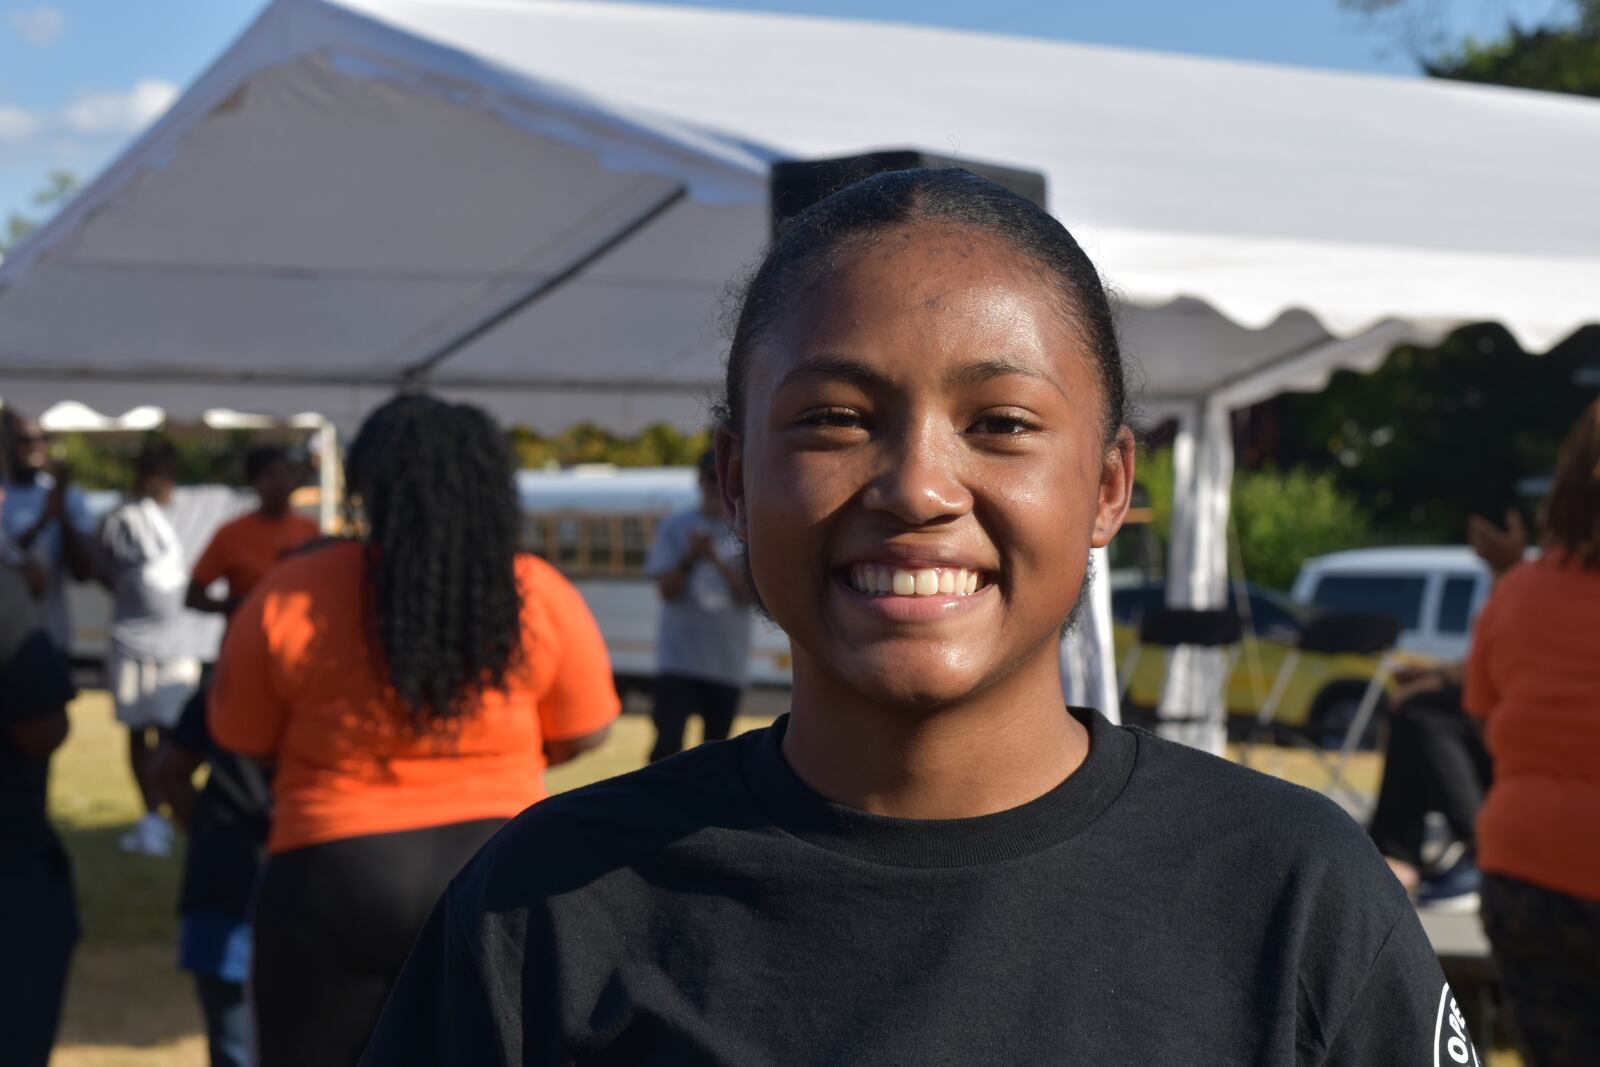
[125, 989]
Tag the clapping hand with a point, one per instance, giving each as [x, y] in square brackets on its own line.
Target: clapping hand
[55, 505]
[700, 545]
[1500, 549]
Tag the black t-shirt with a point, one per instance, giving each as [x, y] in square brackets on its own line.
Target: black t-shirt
[35, 681]
[1160, 906]
[229, 828]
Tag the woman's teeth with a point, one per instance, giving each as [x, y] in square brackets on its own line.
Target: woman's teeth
[928, 581]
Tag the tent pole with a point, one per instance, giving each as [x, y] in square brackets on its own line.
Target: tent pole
[1087, 656]
[1193, 694]
[329, 475]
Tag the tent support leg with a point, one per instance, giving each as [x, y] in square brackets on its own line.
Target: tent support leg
[1194, 691]
[329, 476]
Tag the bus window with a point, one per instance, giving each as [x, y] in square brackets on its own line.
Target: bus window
[635, 543]
[600, 542]
[569, 549]
[533, 536]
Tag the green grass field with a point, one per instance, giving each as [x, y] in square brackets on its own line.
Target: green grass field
[128, 1005]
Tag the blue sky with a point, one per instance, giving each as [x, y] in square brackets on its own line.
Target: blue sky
[78, 78]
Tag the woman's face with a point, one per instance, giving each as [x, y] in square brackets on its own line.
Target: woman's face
[922, 469]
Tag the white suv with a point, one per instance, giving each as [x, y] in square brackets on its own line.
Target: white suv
[1435, 592]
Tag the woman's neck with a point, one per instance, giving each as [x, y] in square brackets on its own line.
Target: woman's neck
[1001, 748]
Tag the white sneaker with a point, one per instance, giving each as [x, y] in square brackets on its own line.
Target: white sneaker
[152, 835]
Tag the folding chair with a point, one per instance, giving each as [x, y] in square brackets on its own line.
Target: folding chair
[1205, 628]
[1337, 633]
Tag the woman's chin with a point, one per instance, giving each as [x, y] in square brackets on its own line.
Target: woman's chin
[919, 682]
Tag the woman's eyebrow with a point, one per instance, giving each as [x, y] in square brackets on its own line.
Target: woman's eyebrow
[987, 370]
[837, 368]
[866, 377]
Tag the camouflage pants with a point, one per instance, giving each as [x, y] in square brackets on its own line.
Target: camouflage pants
[1548, 947]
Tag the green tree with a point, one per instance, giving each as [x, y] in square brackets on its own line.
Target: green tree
[1281, 518]
[1284, 518]
[59, 188]
[1437, 434]
[106, 461]
[1560, 55]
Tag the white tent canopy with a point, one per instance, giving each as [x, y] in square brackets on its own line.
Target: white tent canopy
[536, 205]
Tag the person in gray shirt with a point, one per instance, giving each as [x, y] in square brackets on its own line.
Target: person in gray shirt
[704, 641]
[151, 666]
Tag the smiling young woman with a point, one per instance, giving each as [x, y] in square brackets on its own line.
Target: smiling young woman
[929, 859]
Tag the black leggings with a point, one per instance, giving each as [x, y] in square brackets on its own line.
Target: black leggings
[333, 925]
[1435, 762]
[1547, 945]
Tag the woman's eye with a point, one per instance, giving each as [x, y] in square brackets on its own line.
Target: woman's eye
[832, 417]
[1002, 425]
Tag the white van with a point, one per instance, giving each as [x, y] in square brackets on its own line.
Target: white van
[1435, 592]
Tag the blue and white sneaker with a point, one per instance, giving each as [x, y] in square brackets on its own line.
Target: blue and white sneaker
[1454, 889]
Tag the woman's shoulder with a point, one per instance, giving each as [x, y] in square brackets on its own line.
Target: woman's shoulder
[1237, 809]
[536, 574]
[550, 601]
[318, 565]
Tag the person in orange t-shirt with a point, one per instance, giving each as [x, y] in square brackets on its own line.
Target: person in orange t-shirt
[243, 550]
[1534, 678]
[411, 687]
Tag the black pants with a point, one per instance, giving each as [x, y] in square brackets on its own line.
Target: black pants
[333, 925]
[1548, 947]
[38, 929]
[1435, 762]
[677, 698]
[227, 1017]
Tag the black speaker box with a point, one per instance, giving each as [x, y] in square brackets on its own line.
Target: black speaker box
[797, 184]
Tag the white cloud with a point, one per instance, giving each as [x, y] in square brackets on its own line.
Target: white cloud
[100, 113]
[39, 27]
[19, 124]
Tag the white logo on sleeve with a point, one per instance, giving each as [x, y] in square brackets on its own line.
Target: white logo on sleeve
[1450, 1041]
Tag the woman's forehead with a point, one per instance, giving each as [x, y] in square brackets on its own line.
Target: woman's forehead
[940, 291]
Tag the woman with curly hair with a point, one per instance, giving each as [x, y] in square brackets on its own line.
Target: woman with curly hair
[410, 684]
[1534, 679]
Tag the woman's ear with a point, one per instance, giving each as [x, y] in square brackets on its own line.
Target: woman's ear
[1116, 488]
[730, 481]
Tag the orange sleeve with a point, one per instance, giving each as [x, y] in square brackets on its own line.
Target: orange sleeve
[245, 712]
[577, 694]
[213, 561]
[1480, 694]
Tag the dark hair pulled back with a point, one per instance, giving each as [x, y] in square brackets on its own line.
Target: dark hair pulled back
[433, 483]
[260, 458]
[818, 240]
[157, 458]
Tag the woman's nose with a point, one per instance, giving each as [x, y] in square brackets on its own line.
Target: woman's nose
[921, 481]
